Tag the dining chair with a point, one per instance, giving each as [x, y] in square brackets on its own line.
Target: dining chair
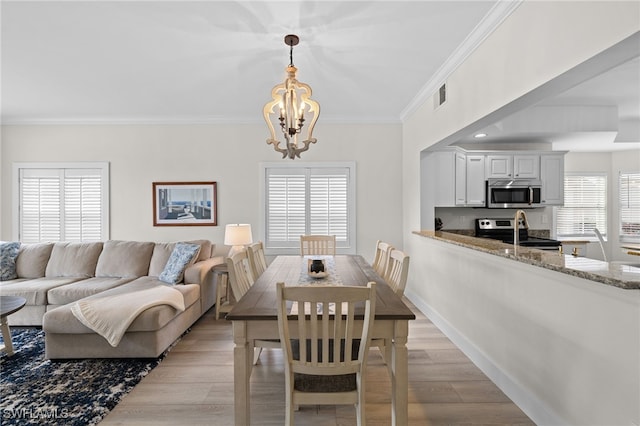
[257, 261]
[325, 362]
[241, 279]
[395, 276]
[397, 271]
[317, 245]
[240, 275]
[381, 258]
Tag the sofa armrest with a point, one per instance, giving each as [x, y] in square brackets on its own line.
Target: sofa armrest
[197, 273]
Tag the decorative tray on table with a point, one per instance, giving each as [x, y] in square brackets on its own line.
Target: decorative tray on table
[317, 268]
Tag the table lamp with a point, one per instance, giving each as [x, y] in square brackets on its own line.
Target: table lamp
[237, 235]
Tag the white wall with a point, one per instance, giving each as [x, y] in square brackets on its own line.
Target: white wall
[228, 154]
[537, 43]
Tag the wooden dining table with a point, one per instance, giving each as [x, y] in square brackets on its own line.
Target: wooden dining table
[255, 317]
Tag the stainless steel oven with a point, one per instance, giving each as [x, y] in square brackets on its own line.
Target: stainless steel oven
[513, 193]
[502, 229]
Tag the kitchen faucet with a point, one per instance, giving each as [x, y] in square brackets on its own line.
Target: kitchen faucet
[516, 227]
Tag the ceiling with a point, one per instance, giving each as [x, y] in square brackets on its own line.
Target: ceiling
[216, 61]
[600, 114]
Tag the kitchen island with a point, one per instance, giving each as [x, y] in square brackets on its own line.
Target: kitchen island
[559, 334]
[610, 273]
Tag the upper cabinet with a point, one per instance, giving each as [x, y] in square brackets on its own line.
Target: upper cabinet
[526, 166]
[552, 177]
[499, 166]
[474, 183]
[459, 177]
[510, 166]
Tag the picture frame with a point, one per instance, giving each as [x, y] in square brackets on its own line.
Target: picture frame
[185, 204]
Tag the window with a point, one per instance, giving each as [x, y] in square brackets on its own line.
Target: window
[308, 198]
[585, 206]
[61, 202]
[629, 190]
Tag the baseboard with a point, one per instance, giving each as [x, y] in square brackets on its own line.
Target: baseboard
[538, 412]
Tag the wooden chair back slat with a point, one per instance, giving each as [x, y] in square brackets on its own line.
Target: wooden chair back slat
[381, 258]
[257, 260]
[318, 245]
[240, 276]
[397, 271]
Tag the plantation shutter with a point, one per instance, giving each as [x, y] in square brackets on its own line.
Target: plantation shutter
[40, 202]
[585, 198]
[308, 200]
[61, 204]
[328, 207]
[82, 205]
[286, 213]
[629, 191]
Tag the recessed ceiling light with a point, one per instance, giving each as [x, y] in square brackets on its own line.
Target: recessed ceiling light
[480, 135]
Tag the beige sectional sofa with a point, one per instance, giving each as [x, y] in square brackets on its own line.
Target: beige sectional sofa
[54, 276]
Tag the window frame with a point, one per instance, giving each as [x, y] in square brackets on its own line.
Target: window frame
[102, 166]
[584, 237]
[623, 237]
[342, 248]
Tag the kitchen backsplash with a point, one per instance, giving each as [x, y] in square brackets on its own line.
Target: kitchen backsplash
[457, 218]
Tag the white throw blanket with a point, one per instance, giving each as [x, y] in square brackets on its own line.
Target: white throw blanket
[111, 316]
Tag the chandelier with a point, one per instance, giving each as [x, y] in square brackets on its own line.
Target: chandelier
[294, 107]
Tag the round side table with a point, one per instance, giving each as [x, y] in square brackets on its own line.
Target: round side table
[9, 305]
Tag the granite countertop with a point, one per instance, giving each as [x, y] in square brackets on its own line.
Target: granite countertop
[609, 273]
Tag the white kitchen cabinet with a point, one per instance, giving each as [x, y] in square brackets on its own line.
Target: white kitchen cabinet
[443, 175]
[552, 177]
[460, 176]
[461, 179]
[499, 166]
[474, 182]
[526, 166]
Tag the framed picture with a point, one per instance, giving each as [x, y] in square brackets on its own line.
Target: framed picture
[184, 204]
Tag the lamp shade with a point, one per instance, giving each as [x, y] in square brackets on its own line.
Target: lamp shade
[237, 234]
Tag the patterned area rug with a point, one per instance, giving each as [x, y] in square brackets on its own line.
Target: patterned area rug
[37, 391]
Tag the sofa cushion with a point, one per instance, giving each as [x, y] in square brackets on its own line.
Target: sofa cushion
[80, 289]
[206, 248]
[182, 255]
[62, 320]
[32, 260]
[8, 255]
[73, 259]
[127, 259]
[159, 258]
[35, 290]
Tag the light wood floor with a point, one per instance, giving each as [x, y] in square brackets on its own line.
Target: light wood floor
[193, 385]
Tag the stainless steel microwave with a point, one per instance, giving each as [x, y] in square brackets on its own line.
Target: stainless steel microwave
[513, 193]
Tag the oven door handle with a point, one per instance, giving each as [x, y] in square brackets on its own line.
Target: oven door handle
[530, 195]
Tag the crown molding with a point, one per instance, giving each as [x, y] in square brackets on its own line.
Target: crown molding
[492, 20]
[177, 121]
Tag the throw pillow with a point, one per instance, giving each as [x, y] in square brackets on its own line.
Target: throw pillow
[181, 257]
[8, 256]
